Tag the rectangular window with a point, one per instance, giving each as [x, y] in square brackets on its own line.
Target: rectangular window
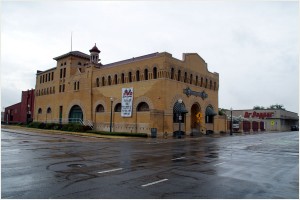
[52, 76]
[63, 88]
[64, 72]
[60, 74]
[49, 76]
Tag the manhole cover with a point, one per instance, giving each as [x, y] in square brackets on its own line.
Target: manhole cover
[77, 165]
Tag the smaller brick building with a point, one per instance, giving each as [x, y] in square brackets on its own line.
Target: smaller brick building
[21, 112]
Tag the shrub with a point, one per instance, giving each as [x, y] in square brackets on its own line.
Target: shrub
[34, 124]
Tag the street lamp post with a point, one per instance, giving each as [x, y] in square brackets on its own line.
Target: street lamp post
[111, 102]
[231, 121]
[180, 117]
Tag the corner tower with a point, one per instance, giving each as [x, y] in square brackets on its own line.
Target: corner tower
[94, 57]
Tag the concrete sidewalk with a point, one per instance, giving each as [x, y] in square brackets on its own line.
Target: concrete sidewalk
[59, 132]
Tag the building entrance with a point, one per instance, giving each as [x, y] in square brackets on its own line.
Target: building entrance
[75, 115]
[195, 117]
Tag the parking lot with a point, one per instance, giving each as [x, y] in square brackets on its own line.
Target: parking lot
[40, 165]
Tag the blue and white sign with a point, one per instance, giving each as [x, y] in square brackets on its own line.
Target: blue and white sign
[127, 99]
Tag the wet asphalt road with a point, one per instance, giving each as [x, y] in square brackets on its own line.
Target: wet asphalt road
[63, 166]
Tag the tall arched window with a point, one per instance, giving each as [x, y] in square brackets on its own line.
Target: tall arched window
[39, 111]
[75, 83]
[97, 82]
[103, 81]
[185, 77]
[109, 80]
[146, 74]
[191, 79]
[179, 75]
[154, 73]
[201, 83]
[116, 79]
[48, 110]
[122, 78]
[137, 75]
[206, 83]
[129, 77]
[100, 108]
[172, 73]
[142, 107]
[196, 81]
[118, 107]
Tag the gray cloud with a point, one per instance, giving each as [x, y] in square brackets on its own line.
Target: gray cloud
[252, 45]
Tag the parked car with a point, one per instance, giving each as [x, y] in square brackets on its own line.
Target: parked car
[294, 128]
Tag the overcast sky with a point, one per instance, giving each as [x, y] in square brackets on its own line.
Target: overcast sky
[254, 46]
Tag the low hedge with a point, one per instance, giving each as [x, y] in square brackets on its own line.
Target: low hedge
[119, 133]
[74, 127]
[63, 127]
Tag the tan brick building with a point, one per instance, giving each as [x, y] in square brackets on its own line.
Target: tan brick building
[81, 88]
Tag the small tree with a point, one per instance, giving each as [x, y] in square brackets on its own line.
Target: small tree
[258, 108]
[277, 106]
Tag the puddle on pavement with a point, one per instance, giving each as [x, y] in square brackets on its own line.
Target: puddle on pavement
[76, 165]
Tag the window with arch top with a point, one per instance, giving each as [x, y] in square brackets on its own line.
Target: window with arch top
[118, 107]
[143, 107]
[100, 108]
[49, 110]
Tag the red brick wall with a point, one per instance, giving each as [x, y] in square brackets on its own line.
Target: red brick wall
[18, 112]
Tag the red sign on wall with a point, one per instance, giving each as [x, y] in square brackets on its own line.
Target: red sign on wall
[260, 115]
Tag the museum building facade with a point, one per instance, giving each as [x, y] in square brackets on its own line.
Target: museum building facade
[154, 91]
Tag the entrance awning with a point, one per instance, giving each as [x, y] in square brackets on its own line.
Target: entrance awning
[210, 112]
[179, 108]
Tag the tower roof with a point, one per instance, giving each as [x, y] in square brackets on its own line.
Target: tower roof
[95, 49]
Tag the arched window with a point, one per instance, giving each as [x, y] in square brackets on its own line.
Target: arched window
[142, 107]
[122, 78]
[201, 83]
[103, 81]
[116, 79]
[206, 83]
[118, 107]
[49, 110]
[172, 73]
[39, 111]
[75, 83]
[179, 110]
[191, 79]
[137, 75]
[154, 73]
[196, 81]
[185, 77]
[100, 108]
[129, 77]
[79, 63]
[109, 80]
[179, 75]
[146, 74]
[209, 114]
[97, 82]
